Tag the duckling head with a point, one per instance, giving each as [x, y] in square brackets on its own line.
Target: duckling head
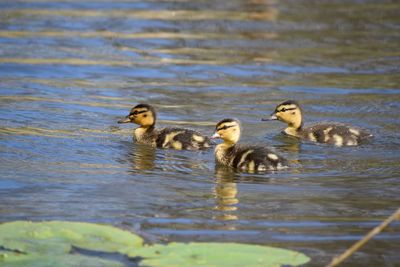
[288, 112]
[228, 130]
[142, 114]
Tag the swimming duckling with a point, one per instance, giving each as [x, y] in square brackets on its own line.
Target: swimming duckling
[176, 138]
[244, 158]
[331, 133]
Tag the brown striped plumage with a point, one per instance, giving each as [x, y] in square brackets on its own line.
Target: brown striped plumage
[244, 158]
[330, 133]
[176, 138]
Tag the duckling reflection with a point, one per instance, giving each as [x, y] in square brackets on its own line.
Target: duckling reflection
[143, 157]
[288, 144]
[225, 191]
[292, 147]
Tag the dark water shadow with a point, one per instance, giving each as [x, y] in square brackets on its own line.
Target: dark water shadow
[113, 256]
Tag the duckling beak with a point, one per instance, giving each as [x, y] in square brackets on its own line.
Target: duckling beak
[215, 135]
[125, 120]
[272, 118]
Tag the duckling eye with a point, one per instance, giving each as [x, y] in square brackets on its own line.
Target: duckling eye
[135, 112]
[224, 127]
[283, 109]
[145, 115]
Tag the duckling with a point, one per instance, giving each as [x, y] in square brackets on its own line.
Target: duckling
[330, 133]
[243, 158]
[176, 138]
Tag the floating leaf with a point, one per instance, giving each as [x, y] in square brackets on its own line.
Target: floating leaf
[50, 244]
[11, 259]
[57, 237]
[217, 254]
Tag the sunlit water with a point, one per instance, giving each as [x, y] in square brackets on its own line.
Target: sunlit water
[70, 69]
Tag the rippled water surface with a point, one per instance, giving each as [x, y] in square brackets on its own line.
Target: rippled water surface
[70, 69]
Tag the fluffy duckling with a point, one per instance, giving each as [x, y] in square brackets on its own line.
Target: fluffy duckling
[244, 158]
[330, 133]
[176, 138]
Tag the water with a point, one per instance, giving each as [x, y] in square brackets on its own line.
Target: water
[70, 69]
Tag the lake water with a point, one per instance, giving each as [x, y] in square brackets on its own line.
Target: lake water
[70, 69]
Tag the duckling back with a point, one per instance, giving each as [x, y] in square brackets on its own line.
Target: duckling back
[335, 134]
[179, 138]
[251, 158]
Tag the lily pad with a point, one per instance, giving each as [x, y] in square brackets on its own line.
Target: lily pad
[50, 244]
[12, 259]
[217, 254]
[58, 237]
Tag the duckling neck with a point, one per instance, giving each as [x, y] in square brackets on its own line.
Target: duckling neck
[143, 132]
[294, 128]
[222, 152]
[293, 131]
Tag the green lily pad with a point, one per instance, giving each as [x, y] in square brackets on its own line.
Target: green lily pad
[217, 254]
[57, 237]
[50, 244]
[11, 259]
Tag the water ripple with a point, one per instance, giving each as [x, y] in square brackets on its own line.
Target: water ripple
[70, 69]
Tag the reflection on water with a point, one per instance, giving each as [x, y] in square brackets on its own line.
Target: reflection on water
[143, 157]
[268, 15]
[69, 69]
[225, 193]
